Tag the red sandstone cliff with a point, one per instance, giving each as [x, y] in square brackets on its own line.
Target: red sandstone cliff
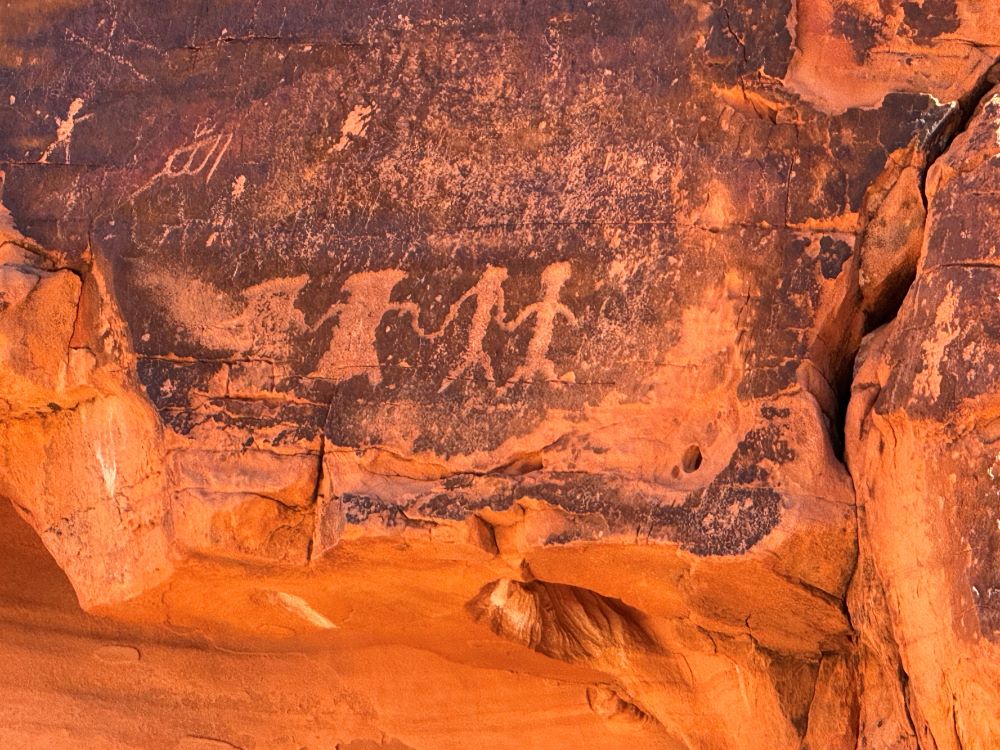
[533, 375]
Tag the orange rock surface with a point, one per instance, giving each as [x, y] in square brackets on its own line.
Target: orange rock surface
[429, 374]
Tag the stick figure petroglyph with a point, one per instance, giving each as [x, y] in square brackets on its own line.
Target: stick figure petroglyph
[64, 131]
[489, 296]
[546, 310]
[352, 349]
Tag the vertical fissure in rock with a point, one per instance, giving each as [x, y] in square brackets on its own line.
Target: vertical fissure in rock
[942, 138]
[891, 238]
[884, 308]
[314, 497]
[843, 380]
[904, 682]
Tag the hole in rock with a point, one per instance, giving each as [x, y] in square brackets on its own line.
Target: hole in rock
[691, 461]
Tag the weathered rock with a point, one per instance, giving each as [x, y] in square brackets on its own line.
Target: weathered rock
[852, 53]
[81, 450]
[921, 451]
[421, 325]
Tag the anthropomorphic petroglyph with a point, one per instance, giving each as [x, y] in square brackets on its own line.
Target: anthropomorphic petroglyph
[489, 296]
[64, 131]
[264, 321]
[103, 49]
[545, 312]
[352, 349]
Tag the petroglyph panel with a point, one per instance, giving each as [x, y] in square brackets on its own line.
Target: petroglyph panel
[465, 242]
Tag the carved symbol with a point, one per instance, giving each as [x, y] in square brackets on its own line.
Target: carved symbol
[64, 131]
[352, 348]
[105, 50]
[191, 159]
[267, 321]
[185, 160]
[262, 321]
[546, 310]
[270, 317]
[489, 296]
[354, 125]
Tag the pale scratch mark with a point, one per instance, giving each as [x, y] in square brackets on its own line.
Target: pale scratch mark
[116, 654]
[222, 151]
[743, 687]
[104, 452]
[355, 125]
[299, 606]
[992, 104]
[106, 53]
[201, 742]
[191, 159]
[109, 471]
[64, 130]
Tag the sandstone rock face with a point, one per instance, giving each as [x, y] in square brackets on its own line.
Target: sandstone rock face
[510, 346]
[922, 453]
[82, 449]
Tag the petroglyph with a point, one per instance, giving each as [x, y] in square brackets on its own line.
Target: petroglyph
[489, 296]
[545, 312]
[64, 131]
[355, 125]
[192, 159]
[265, 321]
[105, 52]
[270, 317]
[352, 347]
[928, 381]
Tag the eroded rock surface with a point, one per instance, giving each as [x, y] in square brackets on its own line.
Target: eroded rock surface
[923, 456]
[523, 336]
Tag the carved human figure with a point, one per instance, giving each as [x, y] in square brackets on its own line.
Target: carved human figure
[64, 131]
[489, 297]
[352, 348]
[545, 312]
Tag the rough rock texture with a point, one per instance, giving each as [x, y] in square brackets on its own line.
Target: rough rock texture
[486, 367]
[923, 453]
